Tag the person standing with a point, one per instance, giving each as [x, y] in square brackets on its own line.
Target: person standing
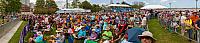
[197, 26]
[188, 26]
[182, 19]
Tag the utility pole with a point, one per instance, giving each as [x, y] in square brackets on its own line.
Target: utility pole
[196, 5]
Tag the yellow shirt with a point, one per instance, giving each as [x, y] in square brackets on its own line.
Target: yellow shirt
[188, 22]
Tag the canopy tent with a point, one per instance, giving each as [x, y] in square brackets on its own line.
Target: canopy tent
[118, 5]
[75, 10]
[153, 7]
[120, 8]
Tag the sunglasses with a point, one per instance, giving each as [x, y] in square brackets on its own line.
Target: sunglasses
[145, 37]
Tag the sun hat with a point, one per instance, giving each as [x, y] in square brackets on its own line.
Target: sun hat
[93, 29]
[147, 34]
[107, 28]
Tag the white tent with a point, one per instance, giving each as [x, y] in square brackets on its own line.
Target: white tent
[118, 5]
[153, 7]
[75, 10]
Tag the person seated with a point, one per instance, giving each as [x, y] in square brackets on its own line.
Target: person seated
[39, 38]
[93, 35]
[116, 37]
[81, 33]
[105, 24]
[122, 27]
[92, 38]
[98, 29]
[147, 37]
[106, 35]
[87, 27]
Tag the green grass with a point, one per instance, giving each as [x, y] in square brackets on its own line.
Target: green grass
[164, 36]
[29, 34]
[16, 36]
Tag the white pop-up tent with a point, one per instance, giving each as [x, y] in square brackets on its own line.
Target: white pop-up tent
[118, 5]
[75, 10]
[153, 7]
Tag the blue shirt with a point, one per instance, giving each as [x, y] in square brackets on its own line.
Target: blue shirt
[87, 28]
[81, 33]
[93, 17]
[39, 39]
[133, 34]
[98, 30]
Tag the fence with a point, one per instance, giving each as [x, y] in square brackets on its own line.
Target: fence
[8, 26]
[24, 33]
[168, 24]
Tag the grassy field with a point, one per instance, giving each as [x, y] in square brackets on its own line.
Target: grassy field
[164, 36]
[16, 36]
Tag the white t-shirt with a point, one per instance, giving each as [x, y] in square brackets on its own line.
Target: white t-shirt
[144, 21]
[183, 19]
[131, 18]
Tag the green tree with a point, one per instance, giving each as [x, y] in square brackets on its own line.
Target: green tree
[85, 5]
[138, 6]
[40, 7]
[93, 8]
[75, 3]
[51, 6]
[96, 8]
[1, 6]
[10, 6]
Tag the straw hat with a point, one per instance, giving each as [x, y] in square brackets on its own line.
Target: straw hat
[147, 34]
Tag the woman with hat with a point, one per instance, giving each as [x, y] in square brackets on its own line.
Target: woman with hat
[92, 38]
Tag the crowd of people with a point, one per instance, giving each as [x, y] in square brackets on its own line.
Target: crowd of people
[129, 27]
[181, 22]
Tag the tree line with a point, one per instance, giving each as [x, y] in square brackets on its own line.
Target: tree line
[50, 7]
